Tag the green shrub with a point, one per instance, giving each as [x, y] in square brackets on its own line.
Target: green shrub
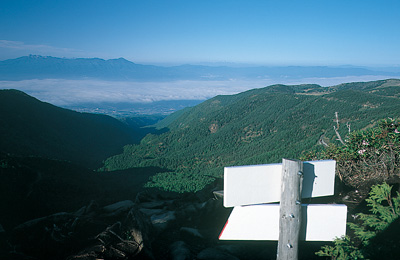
[343, 249]
[385, 210]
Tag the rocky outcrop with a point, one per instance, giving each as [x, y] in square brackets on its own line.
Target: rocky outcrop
[117, 231]
[156, 225]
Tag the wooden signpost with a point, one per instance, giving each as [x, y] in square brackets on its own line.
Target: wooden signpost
[290, 209]
[249, 188]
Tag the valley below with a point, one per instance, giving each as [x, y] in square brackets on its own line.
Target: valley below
[78, 185]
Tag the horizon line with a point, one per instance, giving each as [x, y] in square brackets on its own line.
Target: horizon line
[233, 64]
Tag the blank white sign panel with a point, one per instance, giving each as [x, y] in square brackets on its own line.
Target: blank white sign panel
[257, 184]
[321, 222]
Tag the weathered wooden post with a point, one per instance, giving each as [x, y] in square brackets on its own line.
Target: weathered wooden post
[290, 209]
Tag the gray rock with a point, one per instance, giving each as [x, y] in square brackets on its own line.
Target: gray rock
[190, 209]
[151, 212]
[125, 205]
[161, 221]
[85, 235]
[219, 195]
[139, 228]
[153, 204]
[91, 208]
[188, 232]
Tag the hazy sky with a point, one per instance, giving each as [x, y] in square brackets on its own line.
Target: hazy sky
[271, 32]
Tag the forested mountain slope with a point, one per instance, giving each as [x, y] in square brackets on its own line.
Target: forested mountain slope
[30, 127]
[254, 127]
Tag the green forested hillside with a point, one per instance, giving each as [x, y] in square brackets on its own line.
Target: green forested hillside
[29, 127]
[255, 127]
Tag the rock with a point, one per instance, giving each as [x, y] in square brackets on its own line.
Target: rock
[190, 233]
[114, 253]
[153, 205]
[150, 212]
[190, 209]
[117, 242]
[131, 248]
[89, 254]
[180, 251]
[168, 226]
[139, 229]
[201, 205]
[117, 208]
[161, 221]
[218, 195]
[215, 254]
[117, 231]
[85, 210]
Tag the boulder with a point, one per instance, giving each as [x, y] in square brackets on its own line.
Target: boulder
[163, 220]
[190, 233]
[86, 210]
[151, 212]
[116, 231]
[120, 206]
[153, 204]
[179, 251]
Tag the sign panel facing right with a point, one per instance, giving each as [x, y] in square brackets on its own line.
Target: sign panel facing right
[256, 184]
[261, 222]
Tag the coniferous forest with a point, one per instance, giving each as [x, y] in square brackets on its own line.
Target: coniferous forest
[82, 186]
[255, 127]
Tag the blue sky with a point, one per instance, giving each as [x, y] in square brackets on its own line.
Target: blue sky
[302, 32]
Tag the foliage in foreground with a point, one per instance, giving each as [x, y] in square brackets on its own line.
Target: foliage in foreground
[365, 157]
[385, 209]
[370, 155]
[342, 249]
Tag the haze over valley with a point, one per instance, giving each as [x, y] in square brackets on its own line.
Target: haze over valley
[120, 87]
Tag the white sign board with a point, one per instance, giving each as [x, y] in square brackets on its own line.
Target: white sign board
[321, 222]
[256, 184]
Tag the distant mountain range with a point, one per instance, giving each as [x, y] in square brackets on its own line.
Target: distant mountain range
[45, 67]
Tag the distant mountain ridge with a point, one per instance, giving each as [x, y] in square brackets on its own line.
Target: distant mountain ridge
[43, 67]
[30, 127]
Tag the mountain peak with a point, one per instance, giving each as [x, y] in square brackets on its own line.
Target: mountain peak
[120, 60]
[33, 56]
